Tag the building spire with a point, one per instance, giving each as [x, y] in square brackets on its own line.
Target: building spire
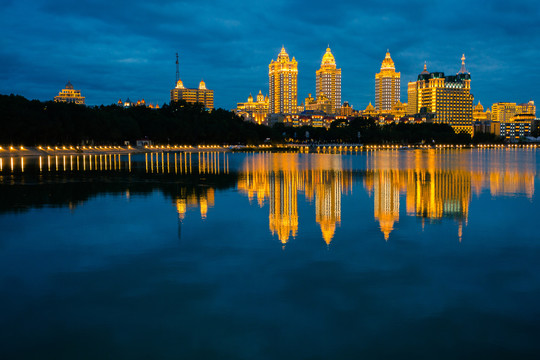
[425, 68]
[177, 69]
[463, 70]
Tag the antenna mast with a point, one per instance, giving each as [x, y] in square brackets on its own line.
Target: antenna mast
[177, 69]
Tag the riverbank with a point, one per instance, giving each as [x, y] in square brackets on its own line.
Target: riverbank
[21, 151]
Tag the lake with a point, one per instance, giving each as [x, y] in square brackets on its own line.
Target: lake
[427, 254]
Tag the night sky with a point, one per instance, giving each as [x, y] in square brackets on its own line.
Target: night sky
[118, 49]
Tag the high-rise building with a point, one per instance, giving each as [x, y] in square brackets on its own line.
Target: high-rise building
[448, 97]
[283, 84]
[69, 95]
[201, 95]
[328, 81]
[387, 85]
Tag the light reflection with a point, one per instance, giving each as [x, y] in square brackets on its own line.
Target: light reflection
[429, 185]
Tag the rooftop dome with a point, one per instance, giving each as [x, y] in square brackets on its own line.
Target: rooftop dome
[202, 85]
[370, 107]
[388, 63]
[328, 58]
[479, 107]
[69, 86]
[250, 98]
[179, 84]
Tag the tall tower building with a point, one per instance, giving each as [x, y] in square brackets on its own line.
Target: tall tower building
[328, 81]
[283, 84]
[387, 85]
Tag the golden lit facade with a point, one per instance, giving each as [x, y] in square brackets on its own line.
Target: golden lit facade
[328, 82]
[448, 97]
[387, 85]
[503, 111]
[70, 95]
[479, 114]
[346, 109]
[255, 111]
[141, 102]
[283, 84]
[412, 97]
[321, 104]
[513, 121]
[507, 112]
[201, 95]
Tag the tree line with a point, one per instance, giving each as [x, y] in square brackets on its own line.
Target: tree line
[32, 122]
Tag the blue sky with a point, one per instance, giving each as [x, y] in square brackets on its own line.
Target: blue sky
[111, 50]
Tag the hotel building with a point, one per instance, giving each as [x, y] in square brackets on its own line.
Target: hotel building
[283, 84]
[387, 85]
[69, 95]
[328, 82]
[201, 95]
[448, 97]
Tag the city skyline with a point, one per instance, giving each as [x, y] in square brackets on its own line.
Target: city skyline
[119, 58]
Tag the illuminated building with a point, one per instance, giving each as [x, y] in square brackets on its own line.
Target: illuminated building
[398, 110]
[370, 111]
[479, 114]
[387, 85]
[142, 102]
[283, 84]
[255, 111]
[514, 130]
[69, 95]
[448, 97]
[503, 111]
[482, 120]
[412, 97]
[526, 109]
[321, 104]
[328, 82]
[346, 109]
[506, 111]
[201, 95]
[514, 121]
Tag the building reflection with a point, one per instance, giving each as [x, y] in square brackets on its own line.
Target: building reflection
[279, 178]
[433, 191]
[431, 186]
[192, 198]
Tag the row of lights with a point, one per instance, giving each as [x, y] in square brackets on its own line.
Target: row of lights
[369, 147]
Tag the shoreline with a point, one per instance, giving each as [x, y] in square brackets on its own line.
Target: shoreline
[311, 148]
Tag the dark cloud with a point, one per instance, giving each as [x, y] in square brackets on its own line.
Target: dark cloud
[112, 50]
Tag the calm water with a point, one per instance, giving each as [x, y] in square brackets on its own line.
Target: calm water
[391, 254]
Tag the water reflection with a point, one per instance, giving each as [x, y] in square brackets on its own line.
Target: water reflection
[278, 178]
[430, 185]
